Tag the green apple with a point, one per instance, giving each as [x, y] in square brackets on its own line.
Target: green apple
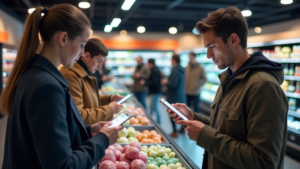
[162, 162]
[145, 150]
[151, 166]
[168, 150]
[158, 146]
[132, 139]
[178, 165]
[172, 166]
[153, 154]
[144, 153]
[123, 133]
[150, 149]
[163, 166]
[153, 147]
[166, 158]
[131, 133]
[172, 155]
[154, 162]
[150, 159]
[171, 162]
[161, 152]
[146, 147]
[127, 123]
[122, 140]
[176, 160]
[157, 158]
[130, 129]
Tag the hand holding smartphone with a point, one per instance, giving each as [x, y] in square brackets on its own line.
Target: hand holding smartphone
[125, 98]
[122, 118]
[168, 105]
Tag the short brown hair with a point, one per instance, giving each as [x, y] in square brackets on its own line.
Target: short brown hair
[152, 61]
[95, 47]
[224, 22]
[193, 54]
[176, 58]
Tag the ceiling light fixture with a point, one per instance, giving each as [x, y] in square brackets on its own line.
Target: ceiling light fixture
[30, 10]
[246, 12]
[123, 33]
[195, 31]
[257, 30]
[173, 30]
[115, 22]
[141, 29]
[286, 2]
[84, 5]
[127, 4]
[107, 28]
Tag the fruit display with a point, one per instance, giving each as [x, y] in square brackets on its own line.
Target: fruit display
[139, 120]
[130, 135]
[118, 157]
[162, 157]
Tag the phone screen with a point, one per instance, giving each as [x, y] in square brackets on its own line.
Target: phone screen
[125, 98]
[164, 102]
[123, 117]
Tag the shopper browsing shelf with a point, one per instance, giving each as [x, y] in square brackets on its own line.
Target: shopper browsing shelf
[248, 123]
[154, 88]
[83, 86]
[102, 75]
[141, 73]
[44, 128]
[175, 84]
[194, 79]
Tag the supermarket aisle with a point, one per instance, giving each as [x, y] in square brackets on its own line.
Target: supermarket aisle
[195, 152]
[3, 122]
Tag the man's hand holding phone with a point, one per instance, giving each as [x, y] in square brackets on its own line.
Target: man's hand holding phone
[111, 132]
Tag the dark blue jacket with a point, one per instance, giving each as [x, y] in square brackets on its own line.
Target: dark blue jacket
[176, 89]
[45, 129]
[153, 82]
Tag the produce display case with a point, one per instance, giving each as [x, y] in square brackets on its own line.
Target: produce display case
[167, 141]
[286, 52]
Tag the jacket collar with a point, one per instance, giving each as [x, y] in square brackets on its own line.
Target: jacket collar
[41, 62]
[79, 70]
[223, 76]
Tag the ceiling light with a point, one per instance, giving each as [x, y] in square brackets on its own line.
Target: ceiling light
[195, 31]
[127, 4]
[84, 5]
[115, 22]
[123, 33]
[286, 2]
[141, 29]
[107, 28]
[257, 30]
[30, 10]
[173, 30]
[246, 13]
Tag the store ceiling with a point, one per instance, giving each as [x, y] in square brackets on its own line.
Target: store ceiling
[160, 15]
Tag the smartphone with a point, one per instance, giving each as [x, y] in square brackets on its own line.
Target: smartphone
[122, 118]
[125, 98]
[168, 105]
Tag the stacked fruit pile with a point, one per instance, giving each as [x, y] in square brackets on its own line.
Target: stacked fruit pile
[139, 120]
[117, 157]
[130, 135]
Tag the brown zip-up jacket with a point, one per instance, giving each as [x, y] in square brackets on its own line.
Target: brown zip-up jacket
[251, 126]
[195, 78]
[84, 91]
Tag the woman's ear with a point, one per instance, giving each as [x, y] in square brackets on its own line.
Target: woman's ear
[62, 38]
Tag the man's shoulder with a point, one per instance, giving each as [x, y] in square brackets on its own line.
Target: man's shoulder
[260, 77]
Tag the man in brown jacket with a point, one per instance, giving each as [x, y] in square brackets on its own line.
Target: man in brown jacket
[83, 86]
[194, 79]
[248, 123]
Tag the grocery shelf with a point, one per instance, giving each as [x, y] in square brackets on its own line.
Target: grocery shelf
[205, 101]
[210, 90]
[214, 70]
[214, 81]
[294, 130]
[205, 61]
[292, 94]
[8, 60]
[275, 42]
[6, 73]
[286, 60]
[122, 74]
[293, 113]
[287, 77]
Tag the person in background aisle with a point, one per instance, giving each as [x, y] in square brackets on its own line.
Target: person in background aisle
[175, 84]
[154, 88]
[102, 75]
[44, 127]
[194, 79]
[141, 73]
[248, 123]
[83, 86]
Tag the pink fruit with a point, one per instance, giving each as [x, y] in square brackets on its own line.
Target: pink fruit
[107, 165]
[122, 165]
[109, 155]
[118, 154]
[143, 157]
[125, 159]
[132, 153]
[117, 162]
[125, 148]
[137, 145]
[119, 147]
[112, 148]
[138, 164]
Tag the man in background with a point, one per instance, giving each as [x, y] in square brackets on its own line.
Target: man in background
[194, 79]
[141, 73]
[102, 75]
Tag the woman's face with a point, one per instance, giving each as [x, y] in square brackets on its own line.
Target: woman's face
[74, 49]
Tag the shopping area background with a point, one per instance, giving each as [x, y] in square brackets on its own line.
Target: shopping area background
[278, 41]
